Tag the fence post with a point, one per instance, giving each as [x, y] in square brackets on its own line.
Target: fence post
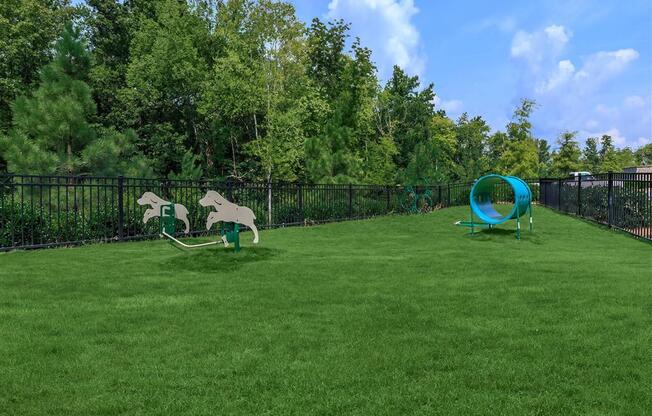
[559, 194]
[269, 203]
[350, 201]
[439, 201]
[541, 192]
[610, 199]
[449, 195]
[121, 210]
[300, 201]
[387, 192]
[579, 195]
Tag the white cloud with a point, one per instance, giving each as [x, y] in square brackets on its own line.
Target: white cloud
[597, 68]
[602, 66]
[385, 26]
[575, 95]
[634, 101]
[557, 34]
[564, 72]
[504, 24]
[536, 48]
[642, 141]
[453, 107]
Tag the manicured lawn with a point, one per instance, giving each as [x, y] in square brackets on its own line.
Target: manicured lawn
[396, 315]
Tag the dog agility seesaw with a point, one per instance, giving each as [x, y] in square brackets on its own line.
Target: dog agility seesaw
[229, 214]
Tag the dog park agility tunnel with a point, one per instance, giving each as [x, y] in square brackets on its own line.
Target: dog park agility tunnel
[482, 202]
[493, 189]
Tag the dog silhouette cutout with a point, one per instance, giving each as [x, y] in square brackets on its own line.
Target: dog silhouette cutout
[154, 210]
[227, 211]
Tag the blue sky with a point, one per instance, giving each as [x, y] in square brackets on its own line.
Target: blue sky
[587, 63]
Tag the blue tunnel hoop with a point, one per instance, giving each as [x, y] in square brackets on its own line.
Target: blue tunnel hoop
[483, 207]
[482, 204]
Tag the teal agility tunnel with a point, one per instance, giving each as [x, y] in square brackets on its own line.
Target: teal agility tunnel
[482, 203]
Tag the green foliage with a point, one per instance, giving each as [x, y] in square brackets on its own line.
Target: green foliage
[404, 113]
[644, 155]
[55, 118]
[422, 165]
[26, 156]
[608, 155]
[164, 80]
[278, 144]
[191, 168]
[379, 166]
[325, 49]
[471, 140]
[443, 144]
[111, 24]
[591, 155]
[567, 159]
[52, 132]
[626, 158]
[545, 159]
[28, 28]
[329, 158]
[521, 159]
[115, 153]
[237, 89]
[520, 127]
[334, 154]
[518, 150]
[496, 146]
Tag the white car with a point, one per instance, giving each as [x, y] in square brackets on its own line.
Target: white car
[582, 174]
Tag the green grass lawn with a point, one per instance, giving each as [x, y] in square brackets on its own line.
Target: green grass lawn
[395, 315]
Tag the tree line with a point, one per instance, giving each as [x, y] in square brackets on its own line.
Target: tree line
[241, 89]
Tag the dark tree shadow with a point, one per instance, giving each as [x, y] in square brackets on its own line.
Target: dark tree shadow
[211, 259]
[503, 235]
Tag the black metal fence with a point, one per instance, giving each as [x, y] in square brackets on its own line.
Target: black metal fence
[48, 211]
[619, 200]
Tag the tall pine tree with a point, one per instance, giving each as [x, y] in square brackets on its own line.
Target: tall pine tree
[52, 132]
[53, 123]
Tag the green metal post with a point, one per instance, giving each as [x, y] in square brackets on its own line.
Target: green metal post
[167, 219]
[236, 237]
[231, 231]
[518, 224]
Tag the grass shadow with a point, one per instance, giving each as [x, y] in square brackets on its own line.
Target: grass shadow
[210, 259]
[500, 235]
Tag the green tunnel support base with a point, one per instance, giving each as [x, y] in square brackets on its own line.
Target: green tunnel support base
[472, 224]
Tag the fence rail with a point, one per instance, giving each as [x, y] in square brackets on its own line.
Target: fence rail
[48, 211]
[619, 200]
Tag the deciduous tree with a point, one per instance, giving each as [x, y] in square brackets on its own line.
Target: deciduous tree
[567, 158]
